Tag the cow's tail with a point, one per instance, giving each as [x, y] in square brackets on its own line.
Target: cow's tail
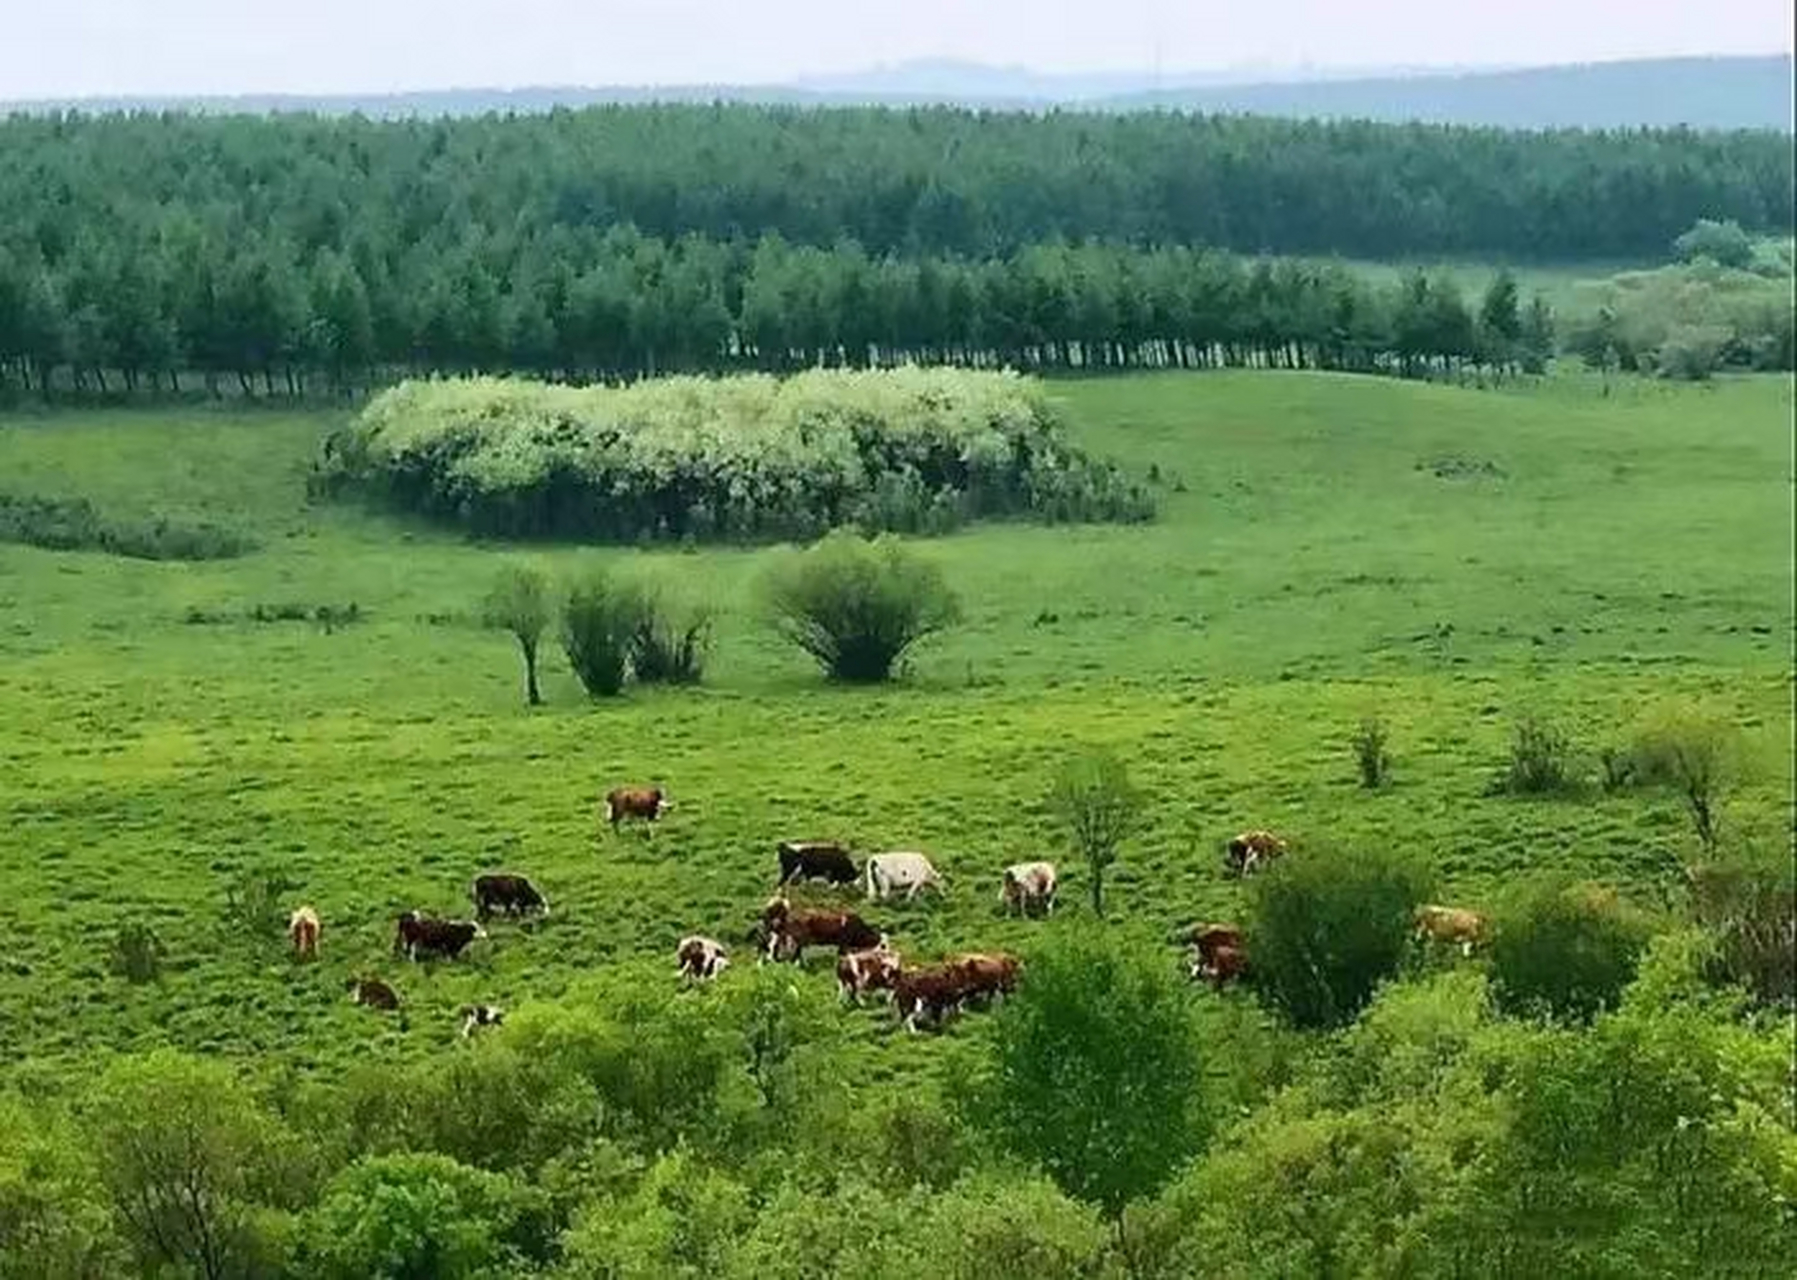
[870, 879]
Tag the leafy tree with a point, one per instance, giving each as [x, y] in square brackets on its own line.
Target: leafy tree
[1093, 797]
[1105, 1029]
[683, 1219]
[857, 605]
[519, 603]
[1500, 322]
[1563, 950]
[1325, 927]
[55, 1219]
[600, 615]
[1723, 242]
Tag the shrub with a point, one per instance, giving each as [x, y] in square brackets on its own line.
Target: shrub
[1326, 927]
[1694, 753]
[1747, 899]
[1722, 242]
[669, 646]
[1541, 761]
[1093, 797]
[74, 524]
[137, 954]
[255, 902]
[519, 604]
[857, 605]
[1370, 755]
[1692, 352]
[1106, 1030]
[54, 1217]
[600, 617]
[1563, 950]
[917, 450]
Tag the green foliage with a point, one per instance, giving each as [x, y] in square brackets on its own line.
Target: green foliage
[1370, 755]
[519, 603]
[1696, 753]
[1687, 322]
[683, 1219]
[1746, 897]
[55, 1218]
[1092, 796]
[1326, 926]
[1724, 243]
[670, 645]
[600, 618]
[1096, 1071]
[1541, 761]
[74, 524]
[857, 605]
[137, 953]
[748, 457]
[1563, 950]
[420, 1217]
[256, 902]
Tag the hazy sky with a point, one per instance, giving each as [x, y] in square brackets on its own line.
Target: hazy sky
[82, 47]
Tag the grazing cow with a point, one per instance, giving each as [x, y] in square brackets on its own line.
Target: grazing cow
[701, 958]
[986, 975]
[874, 969]
[1027, 885]
[417, 937]
[371, 992]
[647, 803]
[508, 894]
[931, 989]
[1451, 924]
[816, 860]
[303, 930]
[476, 1016]
[1245, 852]
[790, 931]
[1218, 953]
[887, 873]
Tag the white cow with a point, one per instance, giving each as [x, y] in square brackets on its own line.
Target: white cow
[701, 958]
[887, 873]
[1028, 884]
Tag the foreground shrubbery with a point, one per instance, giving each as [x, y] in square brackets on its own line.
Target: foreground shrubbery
[910, 450]
[75, 524]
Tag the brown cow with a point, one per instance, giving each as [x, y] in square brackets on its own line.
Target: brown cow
[1451, 924]
[790, 932]
[1223, 964]
[371, 992]
[986, 975]
[303, 929]
[873, 969]
[1246, 851]
[1218, 952]
[646, 803]
[415, 936]
[700, 958]
[933, 989]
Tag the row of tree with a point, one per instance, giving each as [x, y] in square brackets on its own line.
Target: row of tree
[918, 182]
[183, 298]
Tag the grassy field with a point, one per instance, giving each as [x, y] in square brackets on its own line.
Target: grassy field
[1331, 547]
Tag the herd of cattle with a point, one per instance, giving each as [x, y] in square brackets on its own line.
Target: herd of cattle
[866, 961]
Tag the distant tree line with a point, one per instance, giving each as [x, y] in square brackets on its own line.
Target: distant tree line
[138, 308]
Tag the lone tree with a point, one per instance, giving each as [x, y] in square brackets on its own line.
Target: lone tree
[1093, 796]
[519, 603]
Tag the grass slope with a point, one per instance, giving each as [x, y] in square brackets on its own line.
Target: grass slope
[1446, 558]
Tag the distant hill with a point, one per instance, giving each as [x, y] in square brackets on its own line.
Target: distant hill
[1704, 93]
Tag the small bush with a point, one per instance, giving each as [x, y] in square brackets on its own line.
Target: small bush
[1541, 761]
[1723, 242]
[1693, 352]
[74, 524]
[137, 954]
[1325, 928]
[600, 618]
[669, 646]
[1563, 950]
[1696, 755]
[1370, 755]
[255, 902]
[1618, 764]
[856, 605]
[1747, 900]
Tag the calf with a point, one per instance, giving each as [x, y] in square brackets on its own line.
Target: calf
[816, 860]
[700, 958]
[646, 803]
[303, 929]
[874, 969]
[371, 992]
[1027, 885]
[476, 1016]
[511, 895]
[1247, 851]
[416, 937]
[1451, 924]
[888, 873]
[790, 931]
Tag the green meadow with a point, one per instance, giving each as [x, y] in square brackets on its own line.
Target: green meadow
[1329, 548]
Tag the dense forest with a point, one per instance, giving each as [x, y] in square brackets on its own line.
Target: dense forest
[618, 242]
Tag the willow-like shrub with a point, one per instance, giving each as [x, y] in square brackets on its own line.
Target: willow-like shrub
[907, 450]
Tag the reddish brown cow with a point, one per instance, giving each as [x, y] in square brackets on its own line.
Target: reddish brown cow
[1218, 951]
[303, 930]
[933, 989]
[646, 803]
[1224, 964]
[415, 937]
[986, 975]
[789, 932]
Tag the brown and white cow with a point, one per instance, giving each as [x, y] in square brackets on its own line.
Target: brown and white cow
[1451, 924]
[645, 803]
[928, 989]
[372, 992]
[1219, 953]
[303, 929]
[510, 895]
[700, 959]
[1247, 851]
[788, 932]
[986, 975]
[816, 860]
[1028, 885]
[416, 936]
[476, 1016]
[871, 969]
